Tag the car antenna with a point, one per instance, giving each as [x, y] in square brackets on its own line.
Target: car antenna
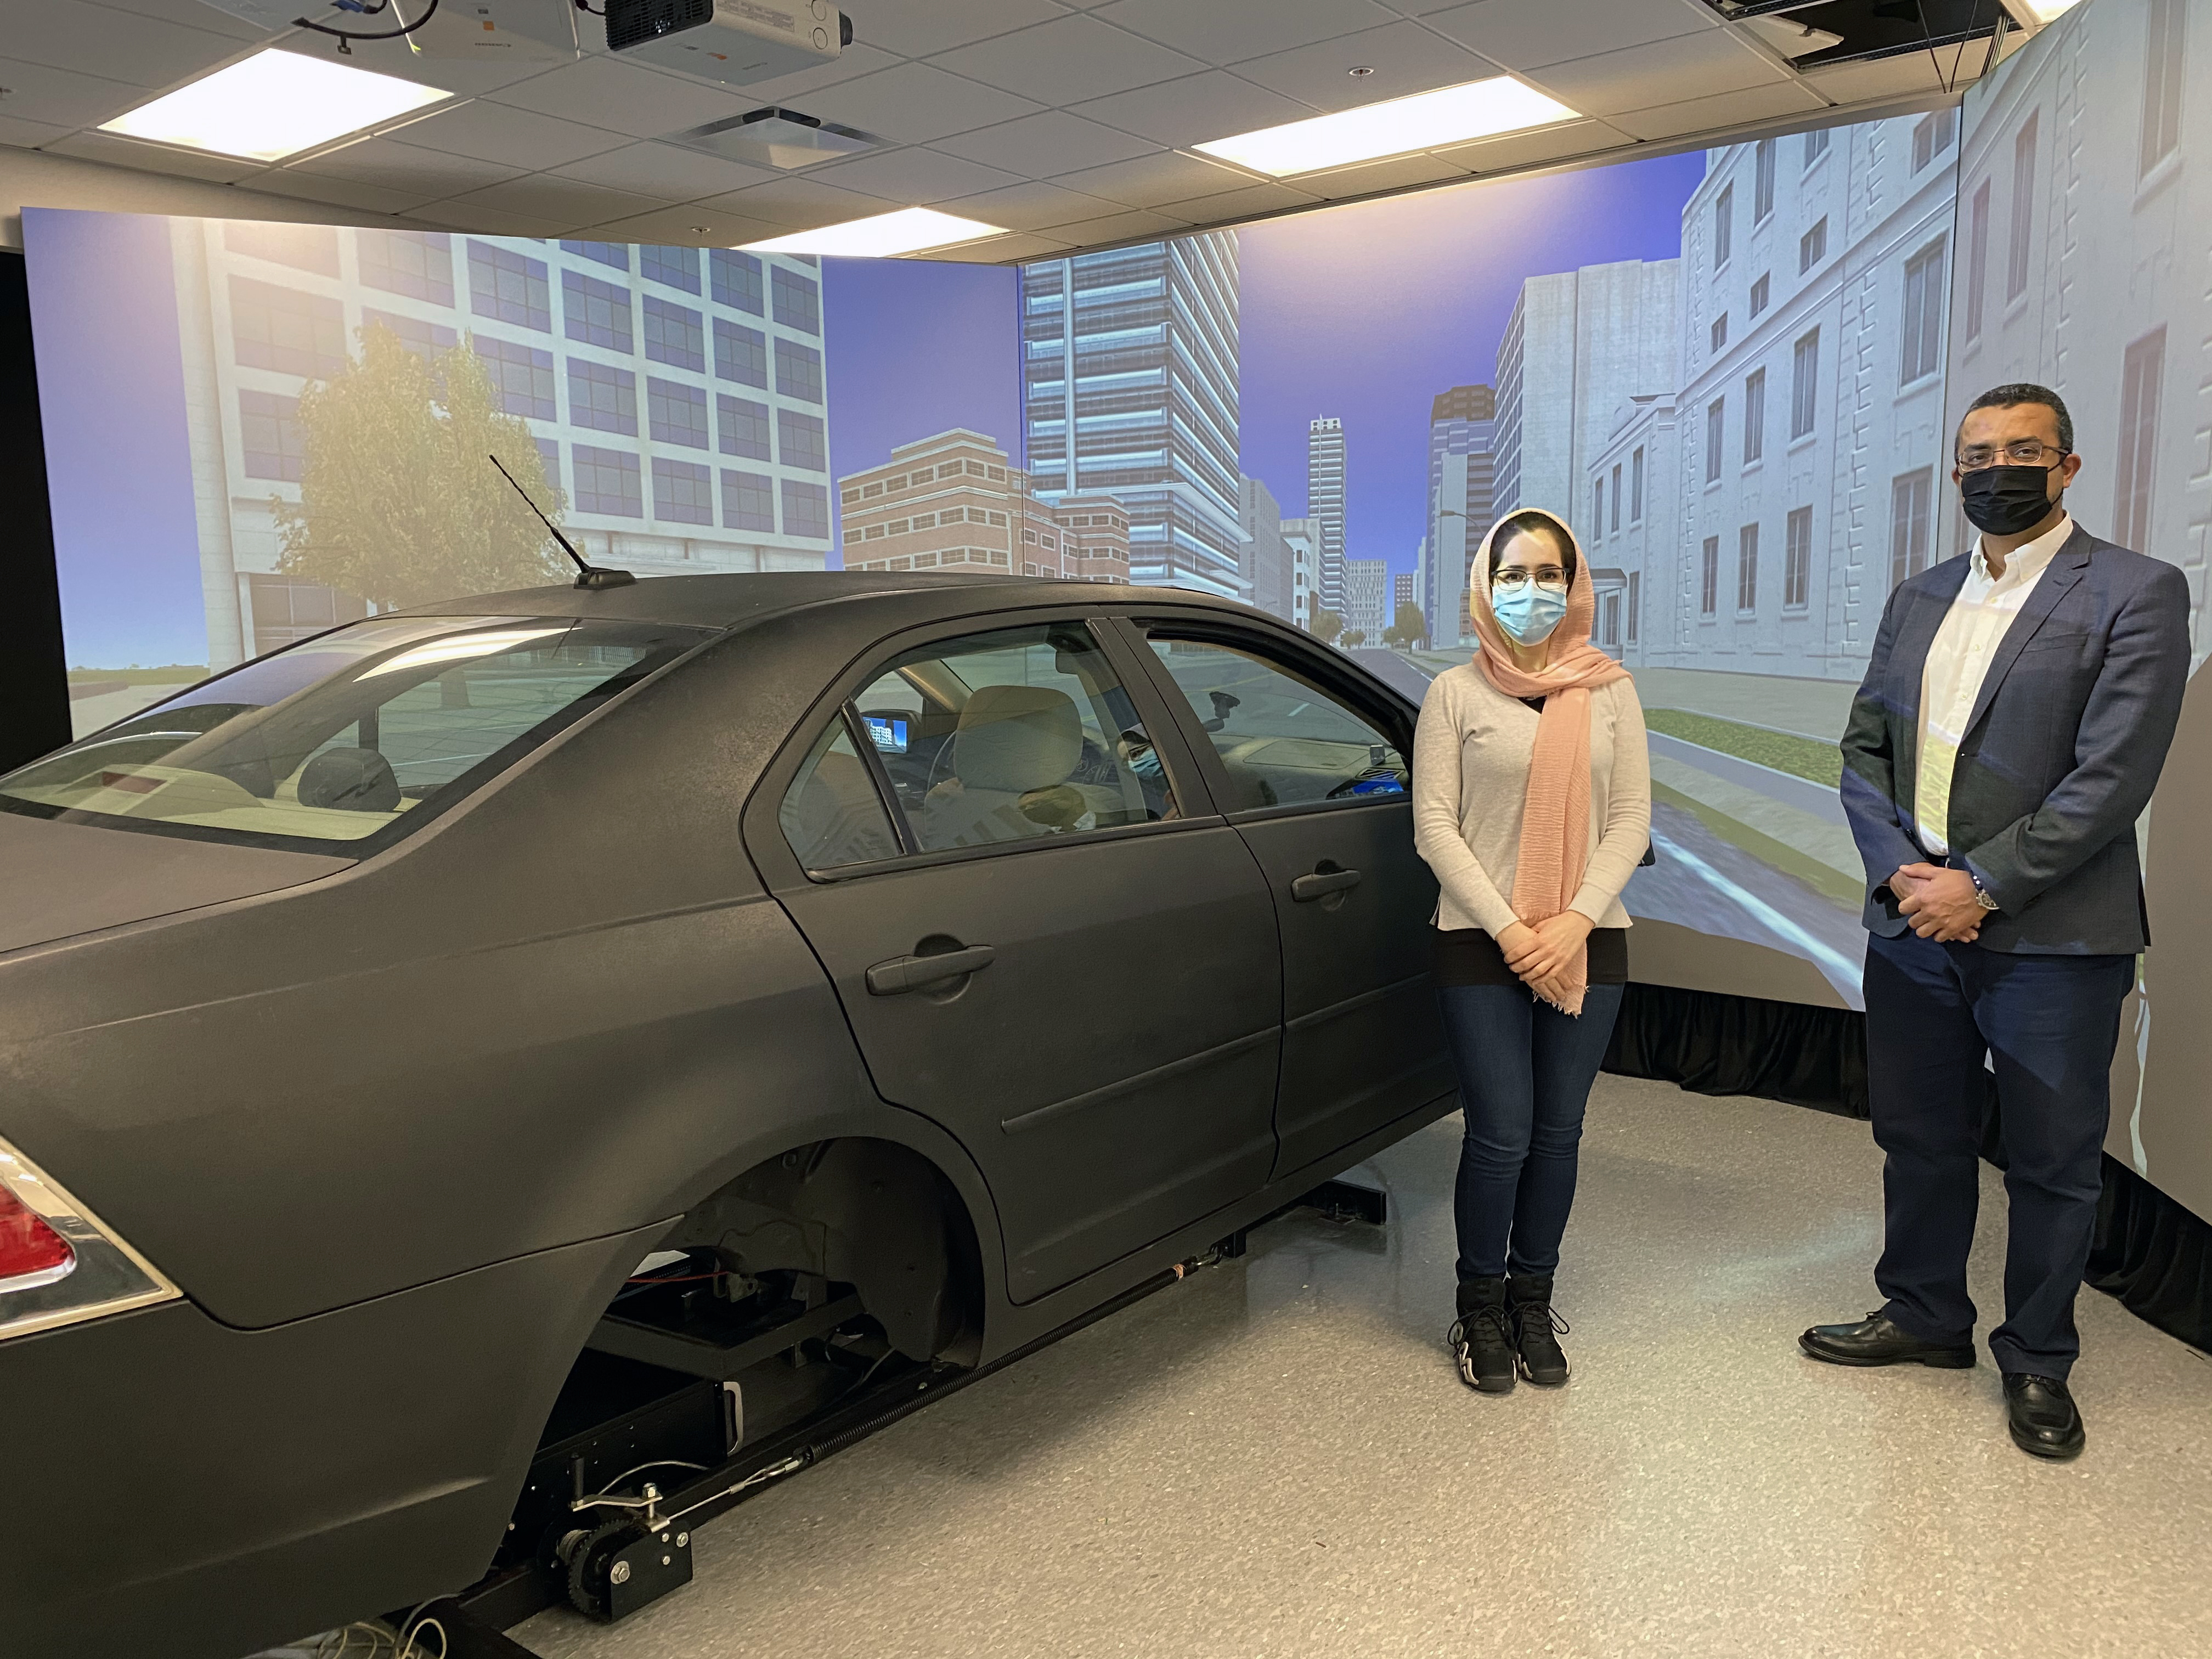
[587, 575]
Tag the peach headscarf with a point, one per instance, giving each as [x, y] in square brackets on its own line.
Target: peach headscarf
[1555, 821]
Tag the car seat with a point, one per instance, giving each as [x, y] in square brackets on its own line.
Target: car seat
[1012, 741]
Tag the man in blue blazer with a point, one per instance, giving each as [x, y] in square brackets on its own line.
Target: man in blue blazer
[2011, 727]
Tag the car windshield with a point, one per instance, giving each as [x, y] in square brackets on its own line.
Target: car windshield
[348, 735]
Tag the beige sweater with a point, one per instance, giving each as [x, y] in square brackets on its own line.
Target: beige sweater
[1471, 755]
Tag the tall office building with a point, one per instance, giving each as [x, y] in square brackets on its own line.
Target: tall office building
[1462, 463]
[1129, 388]
[1325, 461]
[676, 395]
[955, 502]
[1306, 563]
[1268, 556]
[1366, 598]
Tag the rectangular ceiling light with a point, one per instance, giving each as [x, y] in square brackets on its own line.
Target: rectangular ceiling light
[272, 105]
[885, 236]
[1449, 115]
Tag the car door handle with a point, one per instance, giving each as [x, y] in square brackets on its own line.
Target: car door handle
[889, 979]
[1320, 885]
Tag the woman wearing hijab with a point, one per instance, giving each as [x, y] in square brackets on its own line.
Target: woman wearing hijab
[1532, 803]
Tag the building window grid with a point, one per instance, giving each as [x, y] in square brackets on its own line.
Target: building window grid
[1720, 331]
[797, 371]
[798, 300]
[748, 500]
[740, 353]
[734, 279]
[801, 442]
[1716, 428]
[747, 428]
[616, 254]
[285, 330]
[671, 267]
[2142, 376]
[1910, 496]
[2022, 252]
[608, 481]
[1723, 225]
[418, 263]
[676, 414]
[1804, 385]
[675, 334]
[1978, 258]
[1754, 415]
[424, 338]
[1635, 602]
[595, 313]
[1747, 569]
[806, 510]
[1812, 246]
[523, 376]
[507, 288]
[1797, 560]
[1636, 495]
[1708, 592]
[1762, 194]
[1760, 291]
[683, 491]
[1921, 347]
[1816, 145]
[274, 443]
[602, 398]
[1932, 135]
[1613, 525]
[2164, 87]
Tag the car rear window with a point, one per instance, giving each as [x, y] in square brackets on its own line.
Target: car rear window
[348, 736]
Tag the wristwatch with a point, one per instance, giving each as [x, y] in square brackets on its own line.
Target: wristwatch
[1982, 895]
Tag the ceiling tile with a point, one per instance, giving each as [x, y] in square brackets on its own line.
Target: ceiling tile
[858, 59]
[424, 175]
[664, 173]
[463, 78]
[1038, 146]
[488, 222]
[1031, 207]
[799, 204]
[1398, 173]
[114, 44]
[1228, 31]
[1406, 58]
[30, 135]
[339, 192]
[1119, 227]
[155, 158]
[1885, 78]
[625, 98]
[543, 195]
[915, 177]
[681, 227]
[1164, 176]
[915, 104]
[36, 92]
[1529, 34]
[1195, 108]
[916, 28]
[1665, 72]
[1002, 250]
[1516, 150]
[1718, 113]
[191, 14]
[485, 131]
[1076, 57]
[1243, 203]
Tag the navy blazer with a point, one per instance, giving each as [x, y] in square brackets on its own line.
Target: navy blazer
[2060, 754]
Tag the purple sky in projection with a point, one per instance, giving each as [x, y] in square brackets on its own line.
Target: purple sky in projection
[1367, 313]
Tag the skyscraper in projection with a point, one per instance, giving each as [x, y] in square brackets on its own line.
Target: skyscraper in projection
[1129, 389]
[1325, 506]
[1462, 463]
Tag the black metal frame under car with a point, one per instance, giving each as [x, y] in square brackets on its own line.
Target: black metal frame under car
[401, 1128]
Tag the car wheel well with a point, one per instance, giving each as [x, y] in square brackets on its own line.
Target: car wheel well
[872, 1213]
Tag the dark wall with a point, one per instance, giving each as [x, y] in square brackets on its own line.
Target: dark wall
[33, 686]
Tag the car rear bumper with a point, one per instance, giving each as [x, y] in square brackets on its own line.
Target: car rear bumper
[177, 1486]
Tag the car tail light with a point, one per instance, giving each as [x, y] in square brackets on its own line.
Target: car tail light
[57, 1263]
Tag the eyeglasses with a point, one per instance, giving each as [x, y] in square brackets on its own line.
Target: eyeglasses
[2027, 452]
[1512, 582]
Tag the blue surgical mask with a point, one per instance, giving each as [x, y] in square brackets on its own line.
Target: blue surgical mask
[1529, 612]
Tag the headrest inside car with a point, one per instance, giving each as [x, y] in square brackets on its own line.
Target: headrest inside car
[350, 780]
[1017, 738]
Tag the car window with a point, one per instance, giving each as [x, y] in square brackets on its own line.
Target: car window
[1010, 736]
[1283, 741]
[344, 736]
[832, 815]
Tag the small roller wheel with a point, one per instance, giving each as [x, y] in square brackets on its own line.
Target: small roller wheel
[589, 1558]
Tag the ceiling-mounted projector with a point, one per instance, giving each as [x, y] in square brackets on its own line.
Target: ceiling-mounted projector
[733, 40]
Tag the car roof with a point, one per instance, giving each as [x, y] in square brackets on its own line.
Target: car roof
[725, 601]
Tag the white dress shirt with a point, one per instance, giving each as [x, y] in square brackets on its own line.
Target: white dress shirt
[1957, 662]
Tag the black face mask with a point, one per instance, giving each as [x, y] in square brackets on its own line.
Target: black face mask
[2005, 500]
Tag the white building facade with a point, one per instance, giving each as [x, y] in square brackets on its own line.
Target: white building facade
[677, 395]
[1462, 487]
[1304, 545]
[1367, 597]
[1808, 428]
[1267, 567]
[1325, 482]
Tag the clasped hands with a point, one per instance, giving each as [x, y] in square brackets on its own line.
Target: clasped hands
[1541, 953]
[1939, 903]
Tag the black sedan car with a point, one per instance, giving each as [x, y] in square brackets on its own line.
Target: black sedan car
[406, 1030]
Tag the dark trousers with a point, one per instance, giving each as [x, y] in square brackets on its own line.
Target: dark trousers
[1525, 1071]
[2048, 1025]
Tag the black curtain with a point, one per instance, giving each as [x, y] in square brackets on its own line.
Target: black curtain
[2150, 1252]
[34, 714]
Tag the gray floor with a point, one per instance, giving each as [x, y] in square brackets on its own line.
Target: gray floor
[1275, 1457]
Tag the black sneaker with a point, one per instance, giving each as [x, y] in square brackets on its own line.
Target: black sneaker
[1482, 1337]
[1536, 1331]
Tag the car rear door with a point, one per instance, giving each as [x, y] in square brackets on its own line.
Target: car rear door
[1309, 761]
[1043, 935]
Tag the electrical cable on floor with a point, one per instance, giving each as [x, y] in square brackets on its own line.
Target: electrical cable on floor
[657, 1463]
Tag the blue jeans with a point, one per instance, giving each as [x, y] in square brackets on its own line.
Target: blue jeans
[2048, 1025]
[1525, 1071]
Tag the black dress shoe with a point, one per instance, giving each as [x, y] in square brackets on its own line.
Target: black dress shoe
[2044, 1421]
[1874, 1341]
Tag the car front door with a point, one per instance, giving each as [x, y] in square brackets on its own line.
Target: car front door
[1043, 936]
[1308, 762]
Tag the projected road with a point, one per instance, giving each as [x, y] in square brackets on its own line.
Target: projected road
[1704, 882]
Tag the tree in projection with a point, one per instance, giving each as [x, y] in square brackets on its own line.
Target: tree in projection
[398, 501]
[1410, 627]
[1327, 624]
